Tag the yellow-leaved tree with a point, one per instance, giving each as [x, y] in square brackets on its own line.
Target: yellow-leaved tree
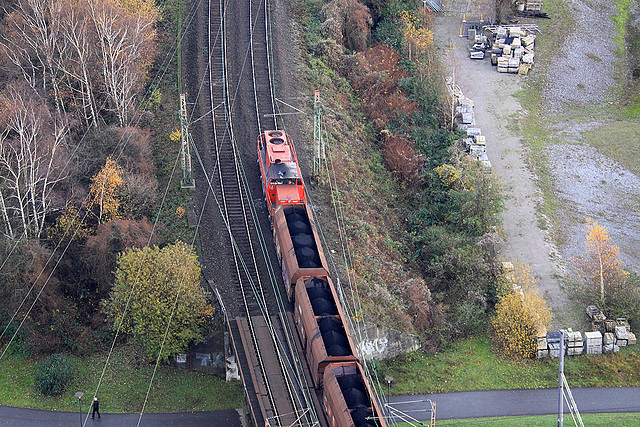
[600, 265]
[521, 313]
[157, 291]
[417, 38]
[104, 200]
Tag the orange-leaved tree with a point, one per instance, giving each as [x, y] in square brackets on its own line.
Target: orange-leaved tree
[521, 313]
[103, 191]
[600, 265]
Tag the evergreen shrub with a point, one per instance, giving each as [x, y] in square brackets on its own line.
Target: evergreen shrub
[52, 374]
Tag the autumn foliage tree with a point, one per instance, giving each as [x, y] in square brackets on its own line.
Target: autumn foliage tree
[521, 314]
[348, 22]
[417, 38]
[600, 265]
[377, 75]
[103, 191]
[155, 288]
[401, 155]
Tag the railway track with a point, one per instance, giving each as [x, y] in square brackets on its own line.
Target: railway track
[234, 252]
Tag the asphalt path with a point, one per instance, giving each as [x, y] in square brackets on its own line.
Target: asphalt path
[504, 403]
[21, 417]
[467, 404]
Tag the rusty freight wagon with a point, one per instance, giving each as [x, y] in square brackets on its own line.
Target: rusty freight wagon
[320, 322]
[297, 245]
[348, 400]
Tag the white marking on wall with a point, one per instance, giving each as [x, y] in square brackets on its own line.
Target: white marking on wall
[371, 348]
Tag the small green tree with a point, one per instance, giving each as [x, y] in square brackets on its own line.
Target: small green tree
[147, 283]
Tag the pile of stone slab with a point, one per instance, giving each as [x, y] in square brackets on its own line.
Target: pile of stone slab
[465, 120]
[511, 47]
[574, 344]
[512, 50]
[609, 338]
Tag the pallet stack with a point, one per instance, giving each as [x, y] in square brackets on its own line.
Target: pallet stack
[608, 343]
[533, 5]
[543, 347]
[574, 341]
[513, 50]
[593, 343]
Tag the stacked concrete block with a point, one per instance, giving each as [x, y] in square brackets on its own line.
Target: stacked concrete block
[464, 119]
[621, 335]
[574, 342]
[511, 48]
[608, 336]
[608, 343]
[543, 347]
[593, 342]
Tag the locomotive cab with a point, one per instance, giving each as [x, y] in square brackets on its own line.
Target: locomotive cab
[281, 178]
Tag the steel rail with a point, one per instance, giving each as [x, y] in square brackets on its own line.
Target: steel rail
[219, 166]
[294, 365]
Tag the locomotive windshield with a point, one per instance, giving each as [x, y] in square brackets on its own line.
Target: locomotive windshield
[284, 173]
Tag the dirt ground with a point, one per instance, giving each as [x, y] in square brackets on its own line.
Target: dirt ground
[589, 184]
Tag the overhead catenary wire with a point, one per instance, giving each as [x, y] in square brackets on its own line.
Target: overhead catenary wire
[164, 68]
[354, 305]
[162, 71]
[245, 186]
[227, 223]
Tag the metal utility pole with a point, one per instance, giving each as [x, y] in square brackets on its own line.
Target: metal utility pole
[560, 380]
[79, 396]
[185, 139]
[319, 151]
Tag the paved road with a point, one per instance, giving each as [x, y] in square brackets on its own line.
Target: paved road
[19, 417]
[468, 404]
[496, 403]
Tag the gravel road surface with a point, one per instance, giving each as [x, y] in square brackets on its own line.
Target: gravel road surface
[578, 76]
[496, 110]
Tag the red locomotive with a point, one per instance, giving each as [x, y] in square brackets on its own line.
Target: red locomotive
[320, 320]
[281, 178]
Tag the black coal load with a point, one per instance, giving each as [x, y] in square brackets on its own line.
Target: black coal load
[303, 242]
[357, 399]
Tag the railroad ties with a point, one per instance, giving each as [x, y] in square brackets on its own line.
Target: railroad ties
[258, 339]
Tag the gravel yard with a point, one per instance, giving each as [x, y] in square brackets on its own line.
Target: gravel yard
[575, 79]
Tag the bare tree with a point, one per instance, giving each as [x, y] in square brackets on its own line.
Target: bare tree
[32, 143]
[126, 47]
[75, 28]
[82, 54]
[33, 44]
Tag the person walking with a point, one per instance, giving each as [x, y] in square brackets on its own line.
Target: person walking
[96, 408]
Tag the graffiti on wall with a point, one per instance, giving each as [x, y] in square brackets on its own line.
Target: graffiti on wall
[371, 348]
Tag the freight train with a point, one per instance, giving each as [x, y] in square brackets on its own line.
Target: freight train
[319, 319]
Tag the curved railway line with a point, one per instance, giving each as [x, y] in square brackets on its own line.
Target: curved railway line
[237, 260]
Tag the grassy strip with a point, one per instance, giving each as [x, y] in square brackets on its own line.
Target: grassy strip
[592, 420]
[472, 365]
[123, 387]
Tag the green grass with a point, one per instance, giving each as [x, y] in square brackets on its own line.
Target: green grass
[591, 420]
[472, 365]
[619, 141]
[123, 387]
